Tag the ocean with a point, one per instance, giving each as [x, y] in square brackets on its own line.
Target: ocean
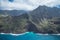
[28, 36]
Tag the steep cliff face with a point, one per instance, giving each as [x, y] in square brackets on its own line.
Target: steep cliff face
[45, 12]
[38, 20]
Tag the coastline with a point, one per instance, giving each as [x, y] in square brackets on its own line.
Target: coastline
[26, 33]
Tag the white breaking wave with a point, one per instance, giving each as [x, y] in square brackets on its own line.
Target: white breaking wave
[15, 34]
[47, 34]
[27, 33]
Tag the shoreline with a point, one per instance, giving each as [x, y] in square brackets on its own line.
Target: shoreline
[27, 33]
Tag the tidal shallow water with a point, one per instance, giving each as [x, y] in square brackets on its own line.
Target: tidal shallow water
[28, 36]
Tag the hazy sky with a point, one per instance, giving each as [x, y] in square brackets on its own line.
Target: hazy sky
[26, 4]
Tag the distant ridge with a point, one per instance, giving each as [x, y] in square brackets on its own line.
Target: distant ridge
[13, 12]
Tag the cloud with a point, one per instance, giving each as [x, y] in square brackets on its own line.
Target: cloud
[50, 3]
[26, 4]
[17, 5]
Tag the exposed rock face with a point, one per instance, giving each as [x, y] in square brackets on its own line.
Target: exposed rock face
[19, 21]
[31, 27]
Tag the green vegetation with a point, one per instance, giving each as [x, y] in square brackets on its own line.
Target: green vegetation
[20, 24]
[12, 24]
[47, 27]
[41, 20]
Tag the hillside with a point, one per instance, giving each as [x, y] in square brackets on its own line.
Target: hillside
[41, 20]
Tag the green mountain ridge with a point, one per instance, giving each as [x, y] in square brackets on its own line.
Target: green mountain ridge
[41, 20]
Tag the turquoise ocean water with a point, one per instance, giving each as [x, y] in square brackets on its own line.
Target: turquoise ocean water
[29, 36]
